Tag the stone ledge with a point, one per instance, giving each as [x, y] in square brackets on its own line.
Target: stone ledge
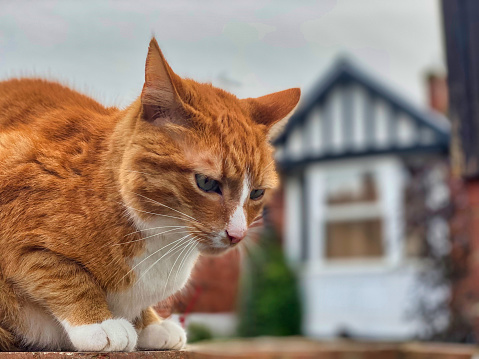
[302, 348]
[439, 351]
[280, 348]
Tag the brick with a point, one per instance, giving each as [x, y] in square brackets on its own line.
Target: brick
[217, 280]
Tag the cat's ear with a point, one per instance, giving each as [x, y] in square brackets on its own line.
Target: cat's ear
[159, 98]
[273, 110]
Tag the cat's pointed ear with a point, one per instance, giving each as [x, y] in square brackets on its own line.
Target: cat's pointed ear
[159, 98]
[273, 110]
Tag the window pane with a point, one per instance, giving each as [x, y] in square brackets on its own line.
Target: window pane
[354, 239]
[360, 187]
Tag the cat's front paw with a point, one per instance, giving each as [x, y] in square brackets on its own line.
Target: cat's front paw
[164, 335]
[110, 335]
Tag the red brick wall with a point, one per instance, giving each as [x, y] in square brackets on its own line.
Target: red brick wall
[212, 288]
[217, 278]
[471, 283]
[465, 252]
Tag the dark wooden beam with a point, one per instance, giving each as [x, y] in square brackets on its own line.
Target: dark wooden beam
[461, 33]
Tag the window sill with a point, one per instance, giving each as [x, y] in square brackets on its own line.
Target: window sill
[359, 267]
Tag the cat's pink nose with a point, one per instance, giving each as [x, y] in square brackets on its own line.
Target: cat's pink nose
[235, 236]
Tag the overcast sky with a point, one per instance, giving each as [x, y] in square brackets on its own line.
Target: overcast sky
[250, 47]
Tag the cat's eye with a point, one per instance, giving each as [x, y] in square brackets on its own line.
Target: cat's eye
[256, 194]
[207, 184]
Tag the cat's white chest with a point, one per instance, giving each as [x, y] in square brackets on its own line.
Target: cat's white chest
[161, 270]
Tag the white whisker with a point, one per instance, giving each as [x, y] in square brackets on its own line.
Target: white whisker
[251, 246]
[269, 164]
[155, 214]
[195, 244]
[152, 254]
[153, 235]
[148, 229]
[156, 234]
[176, 247]
[173, 266]
[164, 205]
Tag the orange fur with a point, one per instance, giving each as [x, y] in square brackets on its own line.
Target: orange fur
[74, 175]
[148, 317]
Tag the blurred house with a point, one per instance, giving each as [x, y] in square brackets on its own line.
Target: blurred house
[349, 156]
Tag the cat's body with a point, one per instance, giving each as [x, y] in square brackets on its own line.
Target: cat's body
[100, 215]
[50, 146]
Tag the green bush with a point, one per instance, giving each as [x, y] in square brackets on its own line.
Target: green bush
[269, 298]
[198, 332]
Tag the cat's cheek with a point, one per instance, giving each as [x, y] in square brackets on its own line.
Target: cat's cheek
[109, 335]
[164, 335]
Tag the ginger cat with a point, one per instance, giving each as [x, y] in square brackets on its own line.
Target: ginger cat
[103, 212]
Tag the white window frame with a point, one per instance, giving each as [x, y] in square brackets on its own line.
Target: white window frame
[389, 177]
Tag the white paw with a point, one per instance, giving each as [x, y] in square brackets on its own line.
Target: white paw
[164, 335]
[110, 335]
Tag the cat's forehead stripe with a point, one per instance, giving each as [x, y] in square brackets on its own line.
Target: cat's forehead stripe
[245, 190]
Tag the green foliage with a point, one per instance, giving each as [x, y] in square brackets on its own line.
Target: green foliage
[269, 298]
[198, 332]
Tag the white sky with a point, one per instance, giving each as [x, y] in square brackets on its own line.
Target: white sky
[250, 47]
